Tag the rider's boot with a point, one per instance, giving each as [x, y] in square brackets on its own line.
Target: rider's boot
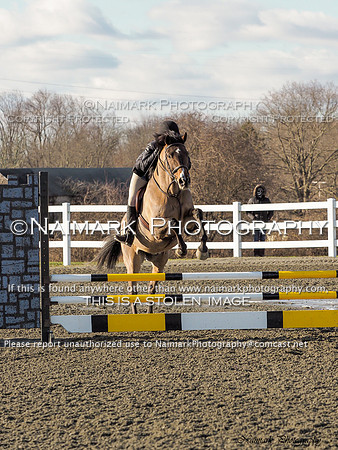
[128, 237]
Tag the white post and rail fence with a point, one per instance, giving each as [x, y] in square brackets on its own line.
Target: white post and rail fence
[236, 228]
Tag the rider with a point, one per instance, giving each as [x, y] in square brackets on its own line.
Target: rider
[142, 171]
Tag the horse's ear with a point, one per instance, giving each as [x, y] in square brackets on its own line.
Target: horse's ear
[184, 137]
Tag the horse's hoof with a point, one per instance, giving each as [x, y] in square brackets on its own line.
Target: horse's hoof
[202, 255]
[180, 254]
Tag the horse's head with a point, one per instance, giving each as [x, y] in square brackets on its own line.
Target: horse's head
[176, 160]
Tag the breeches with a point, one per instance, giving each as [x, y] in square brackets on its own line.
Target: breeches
[136, 183]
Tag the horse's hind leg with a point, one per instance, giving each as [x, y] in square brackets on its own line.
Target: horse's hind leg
[132, 261]
[202, 252]
[158, 262]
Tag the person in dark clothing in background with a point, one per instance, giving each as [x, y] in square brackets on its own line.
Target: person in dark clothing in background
[258, 198]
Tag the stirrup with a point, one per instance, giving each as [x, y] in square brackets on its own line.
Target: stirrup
[126, 239]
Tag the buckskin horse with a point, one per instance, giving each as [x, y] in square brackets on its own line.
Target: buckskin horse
[166, 196]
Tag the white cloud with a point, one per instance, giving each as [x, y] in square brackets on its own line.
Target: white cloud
[43, 57]
[307, 26]
[240, 75]
[249, 74]
[138, 75]
[52, 41]
[58, 64]
[44, 19]
[201, 25]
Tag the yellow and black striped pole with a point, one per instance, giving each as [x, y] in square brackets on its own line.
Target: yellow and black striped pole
[233, 320]
[191, 299]
[195, 276]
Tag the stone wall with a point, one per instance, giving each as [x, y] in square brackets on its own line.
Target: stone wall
[19, 271]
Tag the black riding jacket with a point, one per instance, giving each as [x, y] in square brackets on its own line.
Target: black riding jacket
[148, 160]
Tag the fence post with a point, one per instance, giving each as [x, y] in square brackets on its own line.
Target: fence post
[331, 228]
[44, 257]
[237, 238]
[66, 241]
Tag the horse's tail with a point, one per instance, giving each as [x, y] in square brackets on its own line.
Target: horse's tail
[109, 253]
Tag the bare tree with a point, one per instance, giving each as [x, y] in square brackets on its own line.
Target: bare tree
[12, 130]
[300, 119]
[62, 132]
[134, 140]
[226, 159]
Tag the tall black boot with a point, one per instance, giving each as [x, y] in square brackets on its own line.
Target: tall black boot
[130, 228]
[256, 252]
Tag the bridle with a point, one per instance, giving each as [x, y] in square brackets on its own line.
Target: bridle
[171, 172]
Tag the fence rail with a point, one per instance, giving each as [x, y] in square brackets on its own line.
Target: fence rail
[237, 227]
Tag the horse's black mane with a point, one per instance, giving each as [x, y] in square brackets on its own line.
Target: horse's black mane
[170, 138]
[161, 139]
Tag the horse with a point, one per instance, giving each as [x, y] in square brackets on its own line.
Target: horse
[166, 209]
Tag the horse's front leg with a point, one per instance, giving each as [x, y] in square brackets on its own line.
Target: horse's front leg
[202, 252]
[181, 252]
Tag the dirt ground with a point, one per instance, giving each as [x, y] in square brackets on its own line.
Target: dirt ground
[210, 389]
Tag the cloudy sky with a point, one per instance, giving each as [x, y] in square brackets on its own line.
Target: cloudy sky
[177, 49]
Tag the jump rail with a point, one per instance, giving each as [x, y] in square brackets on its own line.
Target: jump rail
[282, 274]
[242, 320]
[188, 299]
